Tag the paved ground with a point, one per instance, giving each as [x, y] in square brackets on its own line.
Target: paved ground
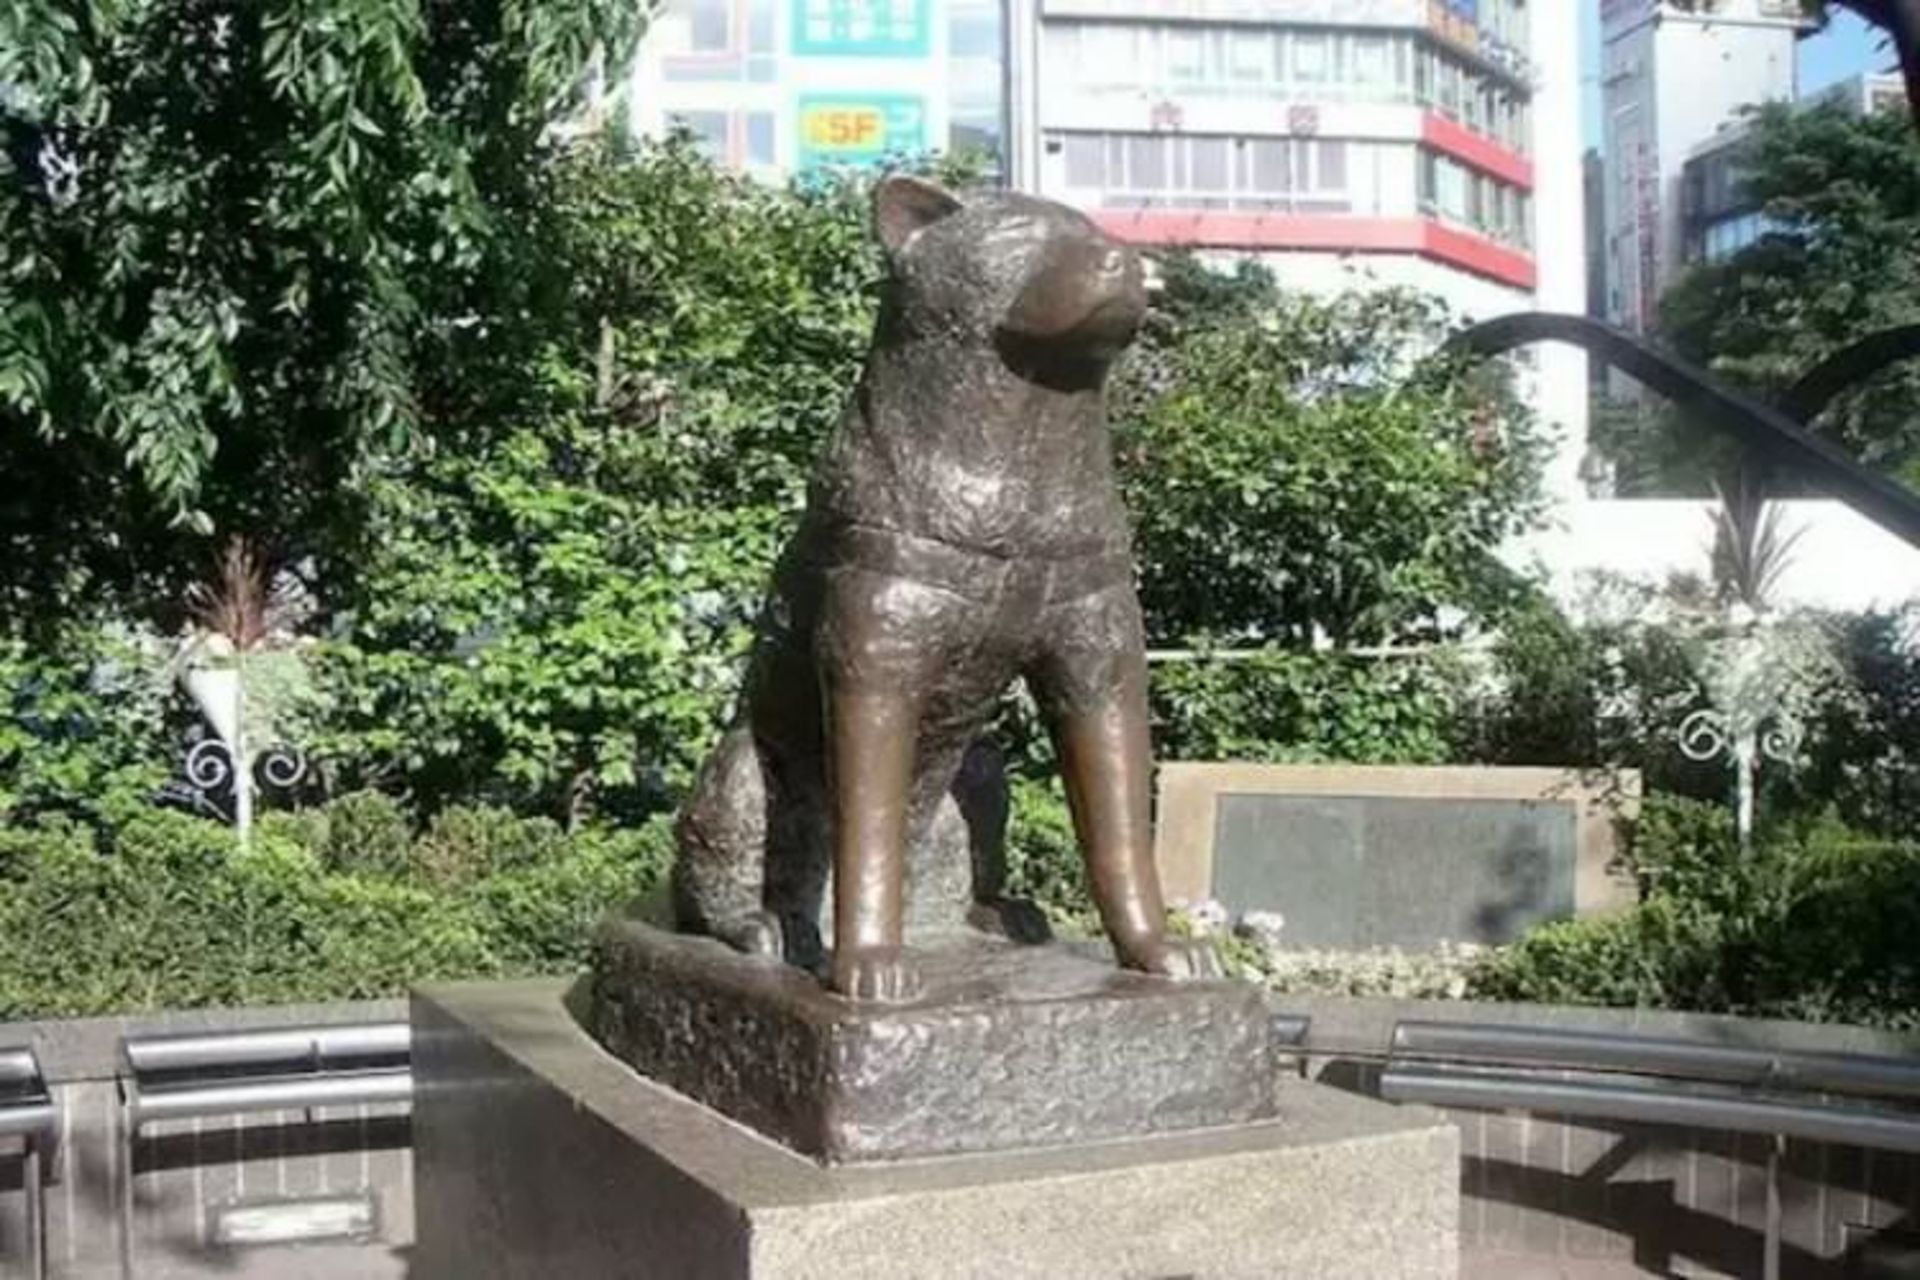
[1476, 1264]
[302, 1262]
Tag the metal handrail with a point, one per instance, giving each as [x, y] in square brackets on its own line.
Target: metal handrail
[1660, 1080]
[239, 1097]
[1612, 1098]
[18, 1066]
[202, 1074]
[1864, 1074]
[295, 1048]
[31, 1115]
[1290, 1029]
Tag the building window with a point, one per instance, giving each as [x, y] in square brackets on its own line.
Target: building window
[708, 129]
[1372, 65]
[1267, 165]
[1250, 56]
[1330, 166]
[973, 31]
[1309, 57]
[1211, 163]
[1147, 167]
[1086, 161]
[710, 26]
[1186, 56]
[760, 145]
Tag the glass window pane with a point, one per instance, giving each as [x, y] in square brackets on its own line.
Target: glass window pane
[1250, 55]
[1087, 161]
[1185, 55]
[1208, 160]
[760, 27]
[1371, 70]
[759, 137]
[709, 130]
[1309, 56]
[709, 25]
[1271, 164]
[1147, 167]
[974, 32]
[1330, 166]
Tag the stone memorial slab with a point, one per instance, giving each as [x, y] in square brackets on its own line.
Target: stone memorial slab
[1358, 857]
[1008, 1046]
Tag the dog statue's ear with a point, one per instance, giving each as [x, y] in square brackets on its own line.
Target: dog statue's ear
[904, 206]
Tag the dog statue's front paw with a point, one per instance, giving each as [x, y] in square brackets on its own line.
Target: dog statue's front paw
[883, 975]
[1182, 959]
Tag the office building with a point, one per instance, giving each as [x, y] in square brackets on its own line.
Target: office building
[1427, 143]
[1673, 79]
[776, 87]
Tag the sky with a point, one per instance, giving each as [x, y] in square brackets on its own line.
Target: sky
[1847, 47]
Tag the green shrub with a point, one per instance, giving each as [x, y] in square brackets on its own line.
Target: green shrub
[83, 724]
[539, 917]
[362, 831]
[467, 843]
[1043, 856]
[168, 911]
[1292, 707]
[1817, 922]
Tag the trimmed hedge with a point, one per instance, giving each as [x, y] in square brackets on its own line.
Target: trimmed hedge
[1817, 923]
[165, 910]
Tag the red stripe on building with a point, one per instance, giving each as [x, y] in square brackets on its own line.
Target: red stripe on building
[1479, 152]
[1481, 256]
[1327, 233]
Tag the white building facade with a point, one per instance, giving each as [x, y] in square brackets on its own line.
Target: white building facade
[776, 87]
[1671, 80]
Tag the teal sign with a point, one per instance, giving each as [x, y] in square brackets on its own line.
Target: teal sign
[857, 129]
[862, 28]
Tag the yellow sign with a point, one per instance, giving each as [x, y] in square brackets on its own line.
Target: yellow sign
[859, 129]
[845, 128]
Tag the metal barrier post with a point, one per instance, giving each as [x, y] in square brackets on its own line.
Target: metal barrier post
[36, 1211]
[129, 1143]
[1770, 1259]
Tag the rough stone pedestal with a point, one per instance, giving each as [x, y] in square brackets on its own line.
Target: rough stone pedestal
[1009, 1046]
[539, 1155]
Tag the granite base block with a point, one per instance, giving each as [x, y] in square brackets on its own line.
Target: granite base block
[1010, 1046]
[538, 1154]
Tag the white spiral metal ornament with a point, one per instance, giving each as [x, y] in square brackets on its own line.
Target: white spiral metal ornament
[210, 765]
[281, 767]
[1703, 735]
[1781, 739]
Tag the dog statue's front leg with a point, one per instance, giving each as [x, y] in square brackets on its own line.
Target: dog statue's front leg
[870, 752]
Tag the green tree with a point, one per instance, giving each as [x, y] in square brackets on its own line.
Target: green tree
[1842, 261]
[246, 246]
[1297, 471]
[553, 615]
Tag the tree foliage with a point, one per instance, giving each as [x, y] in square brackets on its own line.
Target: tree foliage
[554, 617]
[554, 614]
[1297, 470]
[1842, 195]
[247, 245]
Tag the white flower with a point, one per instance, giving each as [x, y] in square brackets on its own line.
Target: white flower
[1263, 927]
[1207, 917]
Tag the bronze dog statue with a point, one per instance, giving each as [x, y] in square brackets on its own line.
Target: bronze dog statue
[964, 528]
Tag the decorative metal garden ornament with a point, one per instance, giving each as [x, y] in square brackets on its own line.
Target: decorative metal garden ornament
[1750, 673]
[243, 673]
